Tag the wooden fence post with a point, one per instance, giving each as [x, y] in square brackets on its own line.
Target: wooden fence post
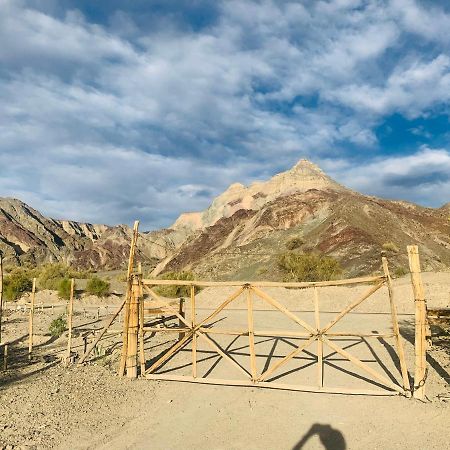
[30, 322]
[420, 344]
[1, 295]
[182, 314]
[69, 321]
[133, 324]
[141, 324]
[5, 356]
[123, 357]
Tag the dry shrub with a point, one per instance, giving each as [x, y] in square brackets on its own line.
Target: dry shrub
[16, 283]
[294, 243]
[308, 267]
[390, 247]
[97, 286]
[176, 291]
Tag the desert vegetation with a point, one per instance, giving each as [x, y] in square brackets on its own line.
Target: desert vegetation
[16, 283]
[390, 247]
[176, 291]
[97, 286]
[308, 267]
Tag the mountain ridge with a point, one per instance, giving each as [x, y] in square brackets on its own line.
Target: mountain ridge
[243, 231]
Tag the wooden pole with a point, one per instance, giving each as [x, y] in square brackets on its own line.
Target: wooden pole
[194, 335]
[123, 357]
[395, 327]
[97, 339]
[133, 324]
[5, 356]
[30, 322]
[141, 326]
[251, 336]
[69, 320]
[420, 344]
[1, 295]
[182, 314]
[319, 339]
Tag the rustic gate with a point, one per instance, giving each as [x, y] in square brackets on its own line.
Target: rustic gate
[193, 330]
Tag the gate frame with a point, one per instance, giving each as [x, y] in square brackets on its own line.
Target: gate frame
[192, 331]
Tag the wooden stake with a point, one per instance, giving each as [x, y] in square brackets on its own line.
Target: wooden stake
[251, 336]
[141, 328]
[69, 320]
[420, 344]
[123, 356]
[1, 295]
[395, 327]
[182, 314]
[30, 322]
[133, 324]
[319, 339]
[194, 336]
[5, 356]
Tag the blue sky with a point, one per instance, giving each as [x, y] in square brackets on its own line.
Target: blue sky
[116, 110]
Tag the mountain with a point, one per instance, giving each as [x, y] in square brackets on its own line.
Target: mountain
[27, 237]
[244, 230]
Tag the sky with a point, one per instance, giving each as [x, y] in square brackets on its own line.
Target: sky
[117, 110]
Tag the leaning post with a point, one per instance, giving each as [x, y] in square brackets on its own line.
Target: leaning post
[420, 344]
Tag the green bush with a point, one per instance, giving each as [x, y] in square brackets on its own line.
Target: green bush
[176, 291]
[390, 247]
[64, 288]
[294, 243]
[50, 275]
[15, 284]
[308, 267]
[400, 271]
[97, 286]
[58, 326]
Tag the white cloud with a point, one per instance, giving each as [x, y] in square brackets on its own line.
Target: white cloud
[104, 122]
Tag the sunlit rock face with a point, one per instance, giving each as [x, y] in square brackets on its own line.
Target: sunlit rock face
[303, 177]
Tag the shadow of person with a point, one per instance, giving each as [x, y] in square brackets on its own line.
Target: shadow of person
[330, 438]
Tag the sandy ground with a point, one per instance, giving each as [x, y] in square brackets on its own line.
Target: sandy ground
[45, 405]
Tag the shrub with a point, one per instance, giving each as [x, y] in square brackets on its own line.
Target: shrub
[64, 288]
[58, 326]
[400, 271]
[50, 275]
[294, 243]
[390, 247]
[308, 267]
[176, 291]
[97, 286]
[15, 284]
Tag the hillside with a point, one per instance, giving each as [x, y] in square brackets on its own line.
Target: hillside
[243, 231]
[27, 237]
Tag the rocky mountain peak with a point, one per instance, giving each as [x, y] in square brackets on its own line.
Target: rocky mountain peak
[304, 176]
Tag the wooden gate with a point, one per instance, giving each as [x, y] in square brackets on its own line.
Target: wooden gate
[193, 330]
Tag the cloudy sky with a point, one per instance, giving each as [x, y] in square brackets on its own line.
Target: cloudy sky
[114, 110]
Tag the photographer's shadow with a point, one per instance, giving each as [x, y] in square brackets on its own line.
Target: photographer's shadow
[330, 438]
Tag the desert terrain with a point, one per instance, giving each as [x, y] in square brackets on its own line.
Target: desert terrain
[48, 405]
